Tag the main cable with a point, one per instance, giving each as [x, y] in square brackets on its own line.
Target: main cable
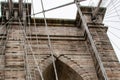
[91, 41]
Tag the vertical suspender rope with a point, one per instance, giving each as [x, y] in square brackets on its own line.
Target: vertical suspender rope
[37, 41]
[49, 41]
[26, 57]
[21, 11]
[92, 42]
[20, 4]
[36, 63]
[27, 49]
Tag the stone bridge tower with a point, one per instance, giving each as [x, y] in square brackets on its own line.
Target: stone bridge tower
[79, 53]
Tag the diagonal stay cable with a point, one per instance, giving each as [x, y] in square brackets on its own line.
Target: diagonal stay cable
[67, 4]
[113, 2]
[112, 12]
[30, 75]
[114, 6]
[36, 34]
[114, 28]
[105, 20]
[49, 41]
[34, 22]
[114, 34]
[114, 44]
[36, 63]
[3, 49]
[27, 66]
[113, 16]
[3, 25]
[109, 4]
[4, 33]
[26, 58]
[53, 8]
[116, 11]
[29, 72]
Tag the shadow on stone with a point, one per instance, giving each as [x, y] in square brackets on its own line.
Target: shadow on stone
[64, 72]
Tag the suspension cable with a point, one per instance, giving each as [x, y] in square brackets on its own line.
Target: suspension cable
[113, 9]
[114, 34]
[49, 41]
[35, 26]
[115, 44]
[4, 33]
[29, 73]
[26, 55]
[92, 43]
[53, 8]
[36, 36]
[111, 21]
[26, 58]
[3, 25]
[116, 11]
[7, 37]
[114, 5]
[70, 3]
[25, 35]
[105, 9]
[97, 9]
[103, 31]
[3, 49]
[112, 12]
[27, 49]
[114, 27]
[4, 30]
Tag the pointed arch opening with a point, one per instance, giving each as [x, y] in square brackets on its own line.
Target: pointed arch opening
[64, 72]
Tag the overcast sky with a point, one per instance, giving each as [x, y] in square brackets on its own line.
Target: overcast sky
[112, 18]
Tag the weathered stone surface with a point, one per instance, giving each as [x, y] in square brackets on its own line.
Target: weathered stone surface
[23, 51]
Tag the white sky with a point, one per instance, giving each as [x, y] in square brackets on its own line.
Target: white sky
[69, 12]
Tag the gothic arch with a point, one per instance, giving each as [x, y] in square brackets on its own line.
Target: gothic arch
[82, 72]
[64, 72]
